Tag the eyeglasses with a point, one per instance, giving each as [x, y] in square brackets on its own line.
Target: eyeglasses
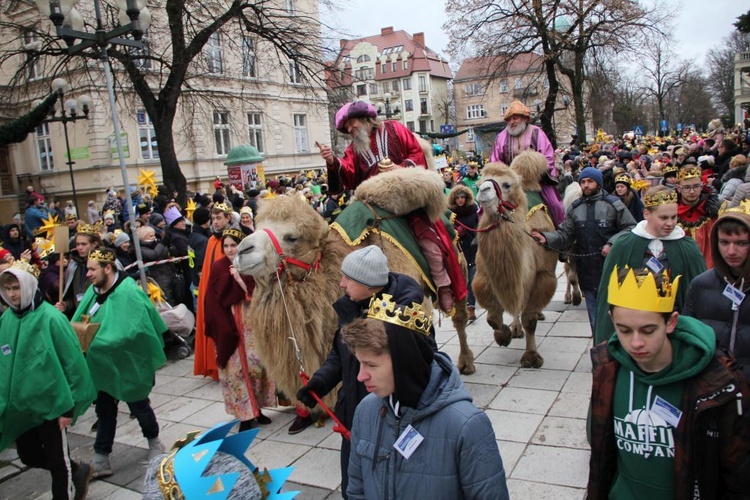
[696, 187]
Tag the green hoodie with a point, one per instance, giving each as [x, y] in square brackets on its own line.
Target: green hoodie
[644, 436]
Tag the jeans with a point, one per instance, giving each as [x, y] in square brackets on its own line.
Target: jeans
[472, 271]
[106, 411]
[590, 297]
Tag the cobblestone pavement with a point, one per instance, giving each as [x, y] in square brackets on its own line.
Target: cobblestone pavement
[538, 417]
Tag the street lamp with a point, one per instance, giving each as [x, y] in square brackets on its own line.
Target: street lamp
[69, 26]
[388, 113]
[68, 113]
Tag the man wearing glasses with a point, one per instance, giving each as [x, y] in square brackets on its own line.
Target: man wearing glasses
[698, 207]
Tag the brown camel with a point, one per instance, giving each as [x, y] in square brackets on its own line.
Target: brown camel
[299, 305]
[513, 273]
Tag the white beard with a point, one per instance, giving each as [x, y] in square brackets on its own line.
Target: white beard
[517, 130]
[361, 140]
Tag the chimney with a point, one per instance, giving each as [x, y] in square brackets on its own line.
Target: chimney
[386, 31]
[419, 39]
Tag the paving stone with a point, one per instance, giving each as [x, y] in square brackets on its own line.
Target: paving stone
[524, 400]
[560, 431]
[180, 408]
[30, 484]
[171, 432]
[579, 383]
[571, 344]
[482, 394]
[489, 374]
[273, 454]
[128, 464]
[558, 360]
[309, 437]
[8, 470]
[512, 426]
[578, 315]
[332, 442]
[179, 368]
[319, 468]
[541, 491]
[177, 386]
[571, 405]
[495, 355]
[214, 413]
[511, 452]
[8, 455]
[584, 365]
[572, 329]
[307, 492]
[550, 465]
[210, 391]
[280, 418]
[551, 380]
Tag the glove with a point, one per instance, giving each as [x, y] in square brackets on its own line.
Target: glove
[315, 385]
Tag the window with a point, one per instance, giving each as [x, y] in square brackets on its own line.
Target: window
[255, 130]
[504, 87]
[387, 50]
[363, 58]
[44, 147]
[409, 105]
[406, 84]
[146, 136]
[365, 73]
[361, 90]
[248, 58]
[393, 66]
[300, 133]
[398, 48]
[423, 106]
[518, 85]
[406, 64]
[394, 85]
[475, 111]
[386, 87]
[213, 54]
[503, 109]
[410, 126]
[142, 56]
[546, 82]
[422, 84]
[221, 132]
[295, 75]
[474, 89]
[383, 67]
[470, 135]
[422, 126]
[374, 89]
[290, 8]
[29, 41]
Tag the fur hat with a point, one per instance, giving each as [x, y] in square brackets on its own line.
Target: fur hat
[121, 238]
[517, 108]
[591, 173]
[368, 266]
[356, 109]
[201, 216]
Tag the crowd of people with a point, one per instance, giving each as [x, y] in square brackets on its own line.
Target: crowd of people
[659, 231]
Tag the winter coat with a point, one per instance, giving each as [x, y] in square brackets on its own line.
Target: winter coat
[467, 216]
[635, 206]
[741, 193]
[198, 241]
[588, 235]
[457, 459]
[721, 165]
[93, 215]
[731, 180]
[178, 241]
[711, 441]
[163, 274]
[33, 218]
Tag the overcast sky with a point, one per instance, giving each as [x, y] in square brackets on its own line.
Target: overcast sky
[699, 26]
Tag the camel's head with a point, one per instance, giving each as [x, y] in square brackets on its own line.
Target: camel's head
[299, 230]
[508, 187]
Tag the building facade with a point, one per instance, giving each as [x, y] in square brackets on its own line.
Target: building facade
[237, 91]
[742, 88]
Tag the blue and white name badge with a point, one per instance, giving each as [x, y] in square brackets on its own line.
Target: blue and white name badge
[94, 308]
[654, 264]
[79, 297]
[733, 294]
[408, 441]
[6, 349]
[666, 411]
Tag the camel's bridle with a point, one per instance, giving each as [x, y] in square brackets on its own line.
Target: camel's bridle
[504, 210]
[285, 262]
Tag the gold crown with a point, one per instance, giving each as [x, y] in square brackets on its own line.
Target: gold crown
[234, 233]
[640, 184]
[71, 217]
[742, 208]
[641, 293]
[663, 197]
[246, 210]
[25, 265]
[624, 178]
[102, 255]
[670, 169]
[689, 173]
[224, 207]
[411, 317]
[90, 229]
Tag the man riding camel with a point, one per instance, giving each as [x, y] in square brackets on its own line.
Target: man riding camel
[380, 147]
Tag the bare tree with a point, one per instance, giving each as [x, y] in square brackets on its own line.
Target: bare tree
[663, 73]
[174, 64]
[720, 64]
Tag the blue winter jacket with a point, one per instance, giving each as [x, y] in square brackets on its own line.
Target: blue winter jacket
[458, 458]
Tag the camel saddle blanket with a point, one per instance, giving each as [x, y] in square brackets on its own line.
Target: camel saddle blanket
[535, 203]
[357, 222]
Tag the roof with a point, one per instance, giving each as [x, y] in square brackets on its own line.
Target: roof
[484, 67]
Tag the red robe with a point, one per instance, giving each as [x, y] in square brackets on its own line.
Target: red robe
[205, 352]
[697, 225]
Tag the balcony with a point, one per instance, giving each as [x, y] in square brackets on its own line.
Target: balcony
[742, 61]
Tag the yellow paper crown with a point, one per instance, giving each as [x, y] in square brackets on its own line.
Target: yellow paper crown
[234, 233]
[670, 169]
[411, 317]
[663, 197]
[641, 293]
[224, 207]
[624, 178]
[689, 173]
[640, 184]
[103, 255]
[742, 208]
[25, 265]
[90, 229]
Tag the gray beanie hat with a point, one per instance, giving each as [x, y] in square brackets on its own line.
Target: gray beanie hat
[121, 238]
[368, 266]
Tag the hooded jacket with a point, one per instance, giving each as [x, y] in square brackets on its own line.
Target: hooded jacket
[457, 459]
[733, 178]
[636, 453]
[467, 216]
[705, 300]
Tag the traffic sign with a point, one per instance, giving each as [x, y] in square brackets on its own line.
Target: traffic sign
[447, 129]
[679, 127]
[664, 125]
[638, 130]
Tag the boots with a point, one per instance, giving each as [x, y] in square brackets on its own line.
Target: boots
[445, 299]
[472, 313]
[100, 465]
[155, 448]
[81, 479]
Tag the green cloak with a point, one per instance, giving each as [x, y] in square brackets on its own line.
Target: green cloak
[683, 256]
[43, 373]
[128, 347]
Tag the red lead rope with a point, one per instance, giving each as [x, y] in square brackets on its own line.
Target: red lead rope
[337, 425]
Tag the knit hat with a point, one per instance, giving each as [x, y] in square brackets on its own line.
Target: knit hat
[121, 238]
[201, 216]
[591, 173]
[357, 109]
[172, 215]
[156, 219]
[368, 266]
[517, 108]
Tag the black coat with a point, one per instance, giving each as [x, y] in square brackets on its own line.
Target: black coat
[198, 241]
[163, 274]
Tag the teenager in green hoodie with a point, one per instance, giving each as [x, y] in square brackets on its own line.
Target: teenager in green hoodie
[670, 410]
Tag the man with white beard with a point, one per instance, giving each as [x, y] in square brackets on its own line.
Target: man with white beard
[521, 136]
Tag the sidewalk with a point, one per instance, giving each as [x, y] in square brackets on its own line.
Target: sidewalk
[539, 417]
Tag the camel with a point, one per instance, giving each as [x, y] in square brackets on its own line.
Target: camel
[572, 289]
[299, 304]
[514, 273]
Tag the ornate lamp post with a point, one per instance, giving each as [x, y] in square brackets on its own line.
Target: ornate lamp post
[134, 19]
[388, 112]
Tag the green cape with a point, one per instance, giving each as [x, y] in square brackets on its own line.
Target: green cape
[128, 348]
[43, 373]
[684, 259]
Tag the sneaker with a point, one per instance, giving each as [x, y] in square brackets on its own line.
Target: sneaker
[263, 420]
[81, 480]
[100, 466]
[155, 448]
[445, 298]
[300, 424]
[95, 425]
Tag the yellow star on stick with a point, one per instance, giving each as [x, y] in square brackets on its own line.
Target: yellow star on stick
[147, 179]
[191, 206]
[154, 293]
[48, 227]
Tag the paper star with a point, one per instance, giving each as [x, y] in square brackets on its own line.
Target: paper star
[48, 227]
[191, 206]
[154, 293]
[147, 179]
